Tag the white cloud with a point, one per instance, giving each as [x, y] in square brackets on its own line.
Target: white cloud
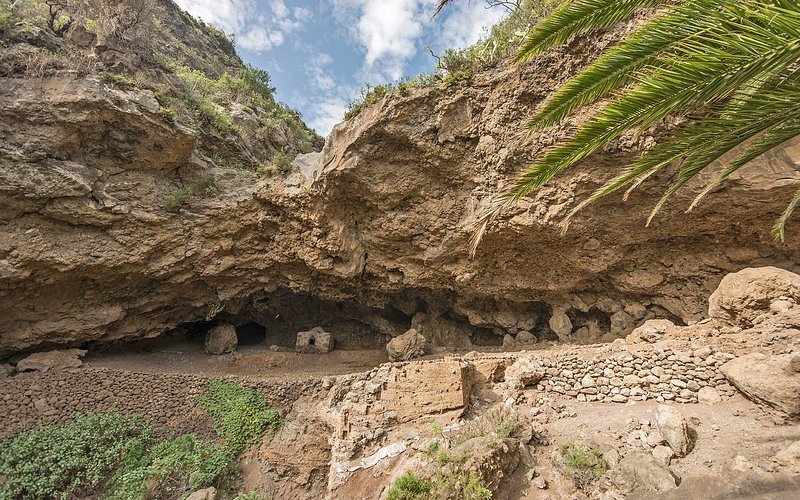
[230, 15]
[326, 114]
[258, 39]
[255, 29]
[466, 23]
[319, 78]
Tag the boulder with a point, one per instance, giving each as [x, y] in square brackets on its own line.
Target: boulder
[663, 454]
[639, 472]
[766, 379]
[650, 331]
[43, 361]
[221, 339]
[314, 341]
[745, 296]
[674, 429]
[560, 323]
[789, 458]
[708, 396]
[489, 458]
[523, 372]
[525, 338]
[407, 346]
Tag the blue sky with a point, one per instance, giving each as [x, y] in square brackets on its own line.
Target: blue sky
[321, 52]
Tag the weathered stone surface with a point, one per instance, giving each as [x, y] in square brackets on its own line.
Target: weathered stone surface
[674, 429]
[789, 457]
[209, 493]
[651, 331]
[523, 372]
[221, 339]
[640, 472]
[663, 454]
[708, 396]
[766, 379]
[43, 361]
[747, 295]
[316, 340]
[407, 346]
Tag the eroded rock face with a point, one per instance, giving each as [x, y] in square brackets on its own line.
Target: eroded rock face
[382, 217]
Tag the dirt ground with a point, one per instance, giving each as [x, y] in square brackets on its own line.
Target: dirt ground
[186, 355]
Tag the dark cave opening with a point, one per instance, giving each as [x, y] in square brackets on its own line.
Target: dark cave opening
[251, 333]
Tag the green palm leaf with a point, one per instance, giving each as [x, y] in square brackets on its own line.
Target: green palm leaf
[730, 66]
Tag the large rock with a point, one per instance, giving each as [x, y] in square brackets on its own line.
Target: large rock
[747, 295]
[407, 346]
[43, 361]
[766, 379]
[674, 429]
[525, 371]
[221, 339]
[639, 472]
[651, 331]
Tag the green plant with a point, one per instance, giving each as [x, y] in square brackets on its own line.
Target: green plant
[214, 308]
[432, 449]
[91, 25]
[208, 185]
[179, 198]
[168, 114]
[731, 68]
[409, 487]
[580, 463]
[436, 428]
[241, 416]
[124, 81]
[71, 460]
[474, 489]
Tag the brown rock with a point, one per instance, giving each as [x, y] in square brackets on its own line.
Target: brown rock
[407, 346]
[766, 379]
[743, 297]
[221, 339]
[640, 472]
[674, 429]
[43, 361]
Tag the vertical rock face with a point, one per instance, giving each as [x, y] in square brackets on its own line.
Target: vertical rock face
[99, 241]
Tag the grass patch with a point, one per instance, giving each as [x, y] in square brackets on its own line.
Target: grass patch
[580, 463]
[167, 114]
[121, 80]
[409, 487]
[179, 198]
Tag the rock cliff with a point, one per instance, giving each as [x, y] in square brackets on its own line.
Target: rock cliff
[128, 210]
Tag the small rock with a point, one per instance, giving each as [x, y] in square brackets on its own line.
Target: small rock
[741, 463]
[708, 396]
[540, 483]
[789, 457]
[794, 363]
[611, 457]
[209, 493]
[663, 454]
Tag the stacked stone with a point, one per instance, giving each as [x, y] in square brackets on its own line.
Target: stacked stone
[164, 400]
[660, 374]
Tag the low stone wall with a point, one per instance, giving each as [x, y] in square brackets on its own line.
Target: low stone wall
[645, 373]
[167, 401]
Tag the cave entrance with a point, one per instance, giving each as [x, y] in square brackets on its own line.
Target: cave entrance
[251, 333]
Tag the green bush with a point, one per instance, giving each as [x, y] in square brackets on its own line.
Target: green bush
[179, 198]
[580, 463]
[409, 487]
[72, 460]
[124, 81]
[168, 114]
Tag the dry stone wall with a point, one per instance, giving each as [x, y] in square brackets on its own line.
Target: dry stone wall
[166, 400]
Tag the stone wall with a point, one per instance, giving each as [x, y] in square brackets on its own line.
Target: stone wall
[166, 400]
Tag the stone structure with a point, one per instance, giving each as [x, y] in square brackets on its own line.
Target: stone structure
[315, 340]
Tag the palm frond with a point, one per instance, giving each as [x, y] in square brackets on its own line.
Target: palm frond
[733, 66]
[577, 17]
[780, 225]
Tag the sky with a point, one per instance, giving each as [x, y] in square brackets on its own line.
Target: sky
[319, 53]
